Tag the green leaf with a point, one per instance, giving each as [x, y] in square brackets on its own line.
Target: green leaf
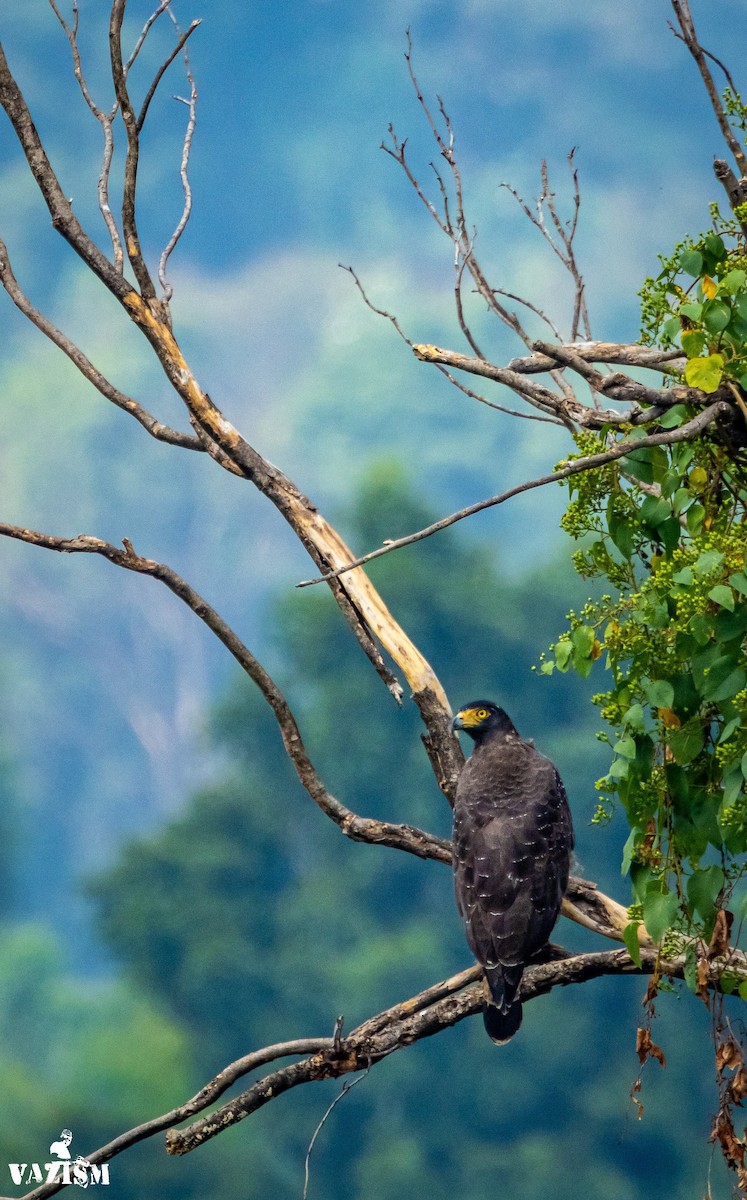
[632, 943]
[742, 989]
[684, 577]
[715, 247]
[729, 729]
[583, 638]
[730, 625]
[733, 281]
[723, 680]
[655, 510]
[705, 373]
[674, 416]
[739, 581]
[681, 499]
[703, 887]
[671, 328]
[622, 533]
[709, 560]
[722, 595]
[670, 532]
[649, 465]
[690, 972]
[695, 515]
[629, 850]
[693, 341]
[563, 651]
[691, 262]
[659, 909]
[716, 316]
[731, 785]
[744, 764]
[641, 877]
[619, 769]
[634, 717]
[625, 747]
[701, 628]
[686, 743]
[692, 310]
[660, 694]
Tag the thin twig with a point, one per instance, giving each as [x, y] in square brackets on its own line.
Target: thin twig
[162, 7]
[162, 71]
[162, 433]
[129, 188]
[532, 308]
[456, 227]
[168, 291]
[60, 208]
[590, 462]
[691, 40]
[405, 837]
[346, 1087]
[510, 412]
[106, 121]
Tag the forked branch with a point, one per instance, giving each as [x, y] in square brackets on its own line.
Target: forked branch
[430, 1012]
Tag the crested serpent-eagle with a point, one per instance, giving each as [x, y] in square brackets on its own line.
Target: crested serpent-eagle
[513, 839]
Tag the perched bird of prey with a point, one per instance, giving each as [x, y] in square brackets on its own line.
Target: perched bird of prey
[513, 839]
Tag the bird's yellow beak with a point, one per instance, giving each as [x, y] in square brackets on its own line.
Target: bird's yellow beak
[466, 718]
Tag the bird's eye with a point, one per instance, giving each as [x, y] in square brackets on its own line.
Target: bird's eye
[481, 714]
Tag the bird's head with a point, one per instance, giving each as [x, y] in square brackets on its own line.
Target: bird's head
[482, 718]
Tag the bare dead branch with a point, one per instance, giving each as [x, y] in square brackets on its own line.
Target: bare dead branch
[60, 209]
[538, 312]
[689, 36]
[430, 1012]
[206, 1096]
[456, 228]
[359, 602]
[665, 438]
[618, 386]
[106, 121]
[461, 318]
[577, 356]
[510, 412]
[154, 427]
[404, 1024]
[129, 189]
[563, 249]
[181, 43]
[183, 170]
[626, 354]
[423, 845]
[362, 607]
[584, 904]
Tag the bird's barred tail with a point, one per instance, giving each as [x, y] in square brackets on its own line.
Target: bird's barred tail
[502, 1011]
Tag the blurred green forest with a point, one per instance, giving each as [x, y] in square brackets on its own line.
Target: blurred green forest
[249, 919]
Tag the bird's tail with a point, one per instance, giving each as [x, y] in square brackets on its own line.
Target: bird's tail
[501, 1027]
[501, 1011]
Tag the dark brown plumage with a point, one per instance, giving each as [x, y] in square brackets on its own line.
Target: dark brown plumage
[513, 839]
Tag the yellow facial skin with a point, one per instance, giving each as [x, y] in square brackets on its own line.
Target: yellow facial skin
[469, 718]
